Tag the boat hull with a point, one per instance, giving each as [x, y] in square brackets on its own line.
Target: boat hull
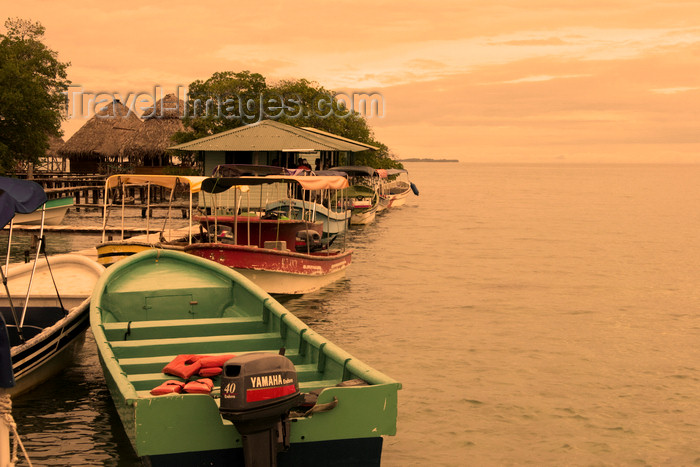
[399, 199]
[44, 357]
[363, 216]
[54, 329]
[109, 253]
[347, 452]
[56, 210]
[364, 204]
[158, 304]
[279, 272]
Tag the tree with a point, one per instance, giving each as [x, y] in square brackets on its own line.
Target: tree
[33, 83]
[314, 106]
[225, 101]
[229, 100]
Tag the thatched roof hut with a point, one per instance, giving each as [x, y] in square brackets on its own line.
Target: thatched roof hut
[148, 145]
[102, 138]
[55, 145]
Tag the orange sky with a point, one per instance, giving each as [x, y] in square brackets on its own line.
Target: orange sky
[539, 81]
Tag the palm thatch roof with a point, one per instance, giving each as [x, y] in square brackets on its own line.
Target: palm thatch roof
[104, 135]
[55, 144]
[152, 139]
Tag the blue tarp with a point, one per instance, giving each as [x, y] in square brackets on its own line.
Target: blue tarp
[16, 196]
[19, 196]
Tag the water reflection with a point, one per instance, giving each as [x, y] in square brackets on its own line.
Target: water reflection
[70, 420]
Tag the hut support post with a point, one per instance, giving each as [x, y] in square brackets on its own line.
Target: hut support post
[104, 213]
[123, 208]
[148, 209]
[189, 223]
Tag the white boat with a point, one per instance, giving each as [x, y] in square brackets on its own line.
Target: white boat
[397, 187]
[53, 324]
[54, 212]
[362, 197]
[334, 221]
[44, 304]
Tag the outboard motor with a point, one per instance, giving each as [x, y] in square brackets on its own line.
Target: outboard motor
[308, 240]
[222, 233]
[257, 392]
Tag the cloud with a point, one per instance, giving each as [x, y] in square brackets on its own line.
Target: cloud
[675, 90]
[470, 77]
[542, 41]
[537, 78]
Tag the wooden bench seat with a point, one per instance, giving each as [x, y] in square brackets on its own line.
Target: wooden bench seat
[196, 345]
[164, 329]
[142, 381]
[135, 365]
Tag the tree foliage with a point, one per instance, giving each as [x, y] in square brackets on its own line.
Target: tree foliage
[32, 86]
[229, 100]
[225, 101]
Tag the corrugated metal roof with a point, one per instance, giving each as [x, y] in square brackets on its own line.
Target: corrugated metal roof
[340, 138]
[269, 135]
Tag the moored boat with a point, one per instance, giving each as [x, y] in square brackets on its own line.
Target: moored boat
[333, 215]
[52, 327]
[362, 196]
[397, 187]
[278, 272]
[156, 306]
[333, 221]
[55, 212]
[43, 303]
[363, 203]
[280, 254]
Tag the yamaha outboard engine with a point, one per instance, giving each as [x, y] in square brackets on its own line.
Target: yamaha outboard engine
[308, 240]
[257, 392]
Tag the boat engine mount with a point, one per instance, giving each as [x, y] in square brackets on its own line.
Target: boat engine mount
[257, 392]
[308, 240]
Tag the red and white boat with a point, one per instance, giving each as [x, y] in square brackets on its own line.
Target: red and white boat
[279, 272]
[395, 187]
[284, 256]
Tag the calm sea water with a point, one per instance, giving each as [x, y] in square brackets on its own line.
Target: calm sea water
[535, 314]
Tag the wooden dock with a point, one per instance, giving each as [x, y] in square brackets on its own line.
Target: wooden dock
[88, 192]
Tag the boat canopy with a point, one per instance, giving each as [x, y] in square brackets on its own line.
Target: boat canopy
[219, 185]
[239, 170]
[356, 170]
[19, 196]
[335, 173]
[396, 171]
[166, 181]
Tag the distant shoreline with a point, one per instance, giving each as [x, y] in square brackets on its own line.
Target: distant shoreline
[425, 159]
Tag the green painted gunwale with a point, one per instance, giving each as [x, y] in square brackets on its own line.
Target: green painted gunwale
[58, 202]
[231, 315]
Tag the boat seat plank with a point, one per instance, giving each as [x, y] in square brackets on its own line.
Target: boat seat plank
[162, 329]
[196, 345]
[136, 365]
[141, 381]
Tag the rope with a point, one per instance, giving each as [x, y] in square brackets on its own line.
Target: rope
[318, 408]
[6, 416]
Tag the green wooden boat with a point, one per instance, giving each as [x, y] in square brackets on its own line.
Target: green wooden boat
[158, 304]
